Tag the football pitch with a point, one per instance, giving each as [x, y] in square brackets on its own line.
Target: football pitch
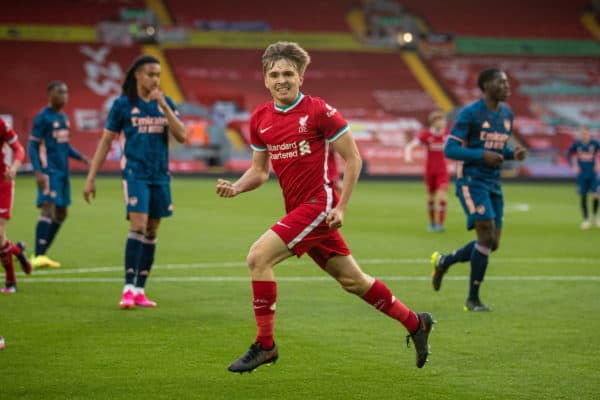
[67, 339]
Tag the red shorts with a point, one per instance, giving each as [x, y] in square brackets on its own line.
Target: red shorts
[7, 190]
[304, 231]
[436, 181]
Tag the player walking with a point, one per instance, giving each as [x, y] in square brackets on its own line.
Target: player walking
[436, 172]
[49, 151]
[146, 117]
[586, 151]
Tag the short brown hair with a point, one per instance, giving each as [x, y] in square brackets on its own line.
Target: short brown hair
[435, 115]
[290, 51]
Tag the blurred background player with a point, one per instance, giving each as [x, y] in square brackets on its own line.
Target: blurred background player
[436, 172]
[298, 150]
[49, 151]
[146, 117]
[479, 140]
[8, 172]
[586, 150]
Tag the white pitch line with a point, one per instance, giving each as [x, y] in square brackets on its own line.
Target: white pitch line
[183, 279]
[372, 261]
[522, 207]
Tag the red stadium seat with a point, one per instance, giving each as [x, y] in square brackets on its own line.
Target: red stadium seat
[509, 18]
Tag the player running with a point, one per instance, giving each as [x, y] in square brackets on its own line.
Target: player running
[479, 140]
[295, 132]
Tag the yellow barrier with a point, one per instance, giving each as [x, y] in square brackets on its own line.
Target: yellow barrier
[260, 40]
[588, 20]
[429, 83]
[49, 33]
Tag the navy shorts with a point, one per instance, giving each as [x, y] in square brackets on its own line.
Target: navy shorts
[151, 199]
[480, 203]
[588, 183]
[58, 193]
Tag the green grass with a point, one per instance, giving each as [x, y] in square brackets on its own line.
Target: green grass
[67, 339]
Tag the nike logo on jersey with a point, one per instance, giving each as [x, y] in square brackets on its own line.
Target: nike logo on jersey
[3, 210]
[265, 129]
[284, 225]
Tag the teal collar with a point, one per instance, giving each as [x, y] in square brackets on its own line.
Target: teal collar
[294, 104]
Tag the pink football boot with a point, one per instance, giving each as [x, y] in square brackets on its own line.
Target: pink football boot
[127, 301]
[142, 301]
[9, 289]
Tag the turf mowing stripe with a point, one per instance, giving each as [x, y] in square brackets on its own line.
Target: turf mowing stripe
[373, 261]
[549, 278]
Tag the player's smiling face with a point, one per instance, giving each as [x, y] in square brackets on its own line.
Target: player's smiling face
[148, 77]
[283, 81]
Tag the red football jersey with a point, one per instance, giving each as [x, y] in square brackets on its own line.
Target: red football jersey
[334, 172]
[7, 137]
[436, 162]
[297, 138]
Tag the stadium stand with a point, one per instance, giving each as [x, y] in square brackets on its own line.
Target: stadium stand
[381, 88]
[385, 93]
[546, 92]
[511, 18]
[309, 16]
[93, 73]
[65, 12]
[380, 83]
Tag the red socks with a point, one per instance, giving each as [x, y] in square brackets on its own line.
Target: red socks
[431, 209]
[6, 257]
[265, 295]
[442, 212]
[16, 250]
[380, 297]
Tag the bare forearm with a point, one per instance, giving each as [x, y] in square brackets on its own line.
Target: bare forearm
[99, 156]
[176, 127]
[251, 179]
[11, 172]
[409, 149]
[351, 174]
[16, 164]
